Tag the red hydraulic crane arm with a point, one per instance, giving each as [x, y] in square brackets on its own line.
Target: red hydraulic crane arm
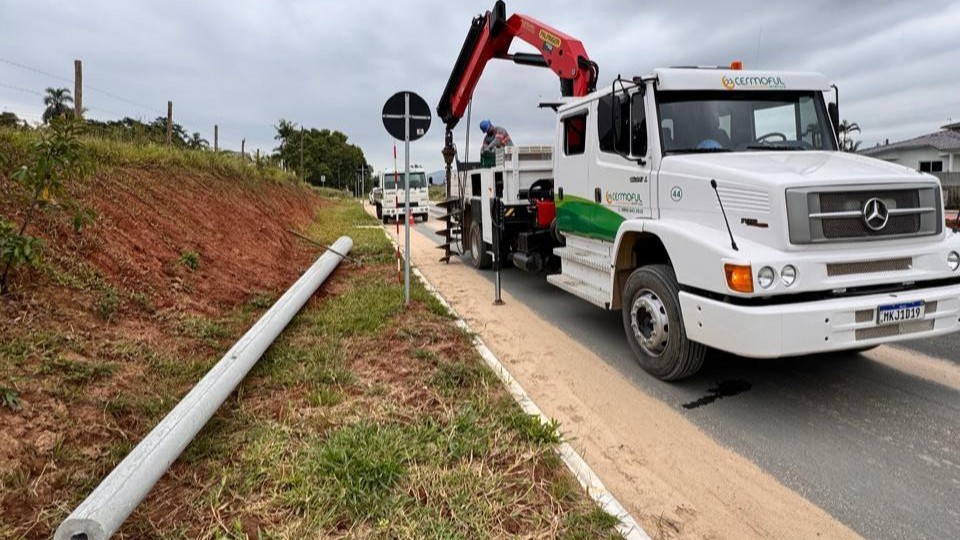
[490, 37]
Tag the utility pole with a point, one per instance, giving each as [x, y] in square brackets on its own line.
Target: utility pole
[77, 89]
[169, 122]
[216, 138]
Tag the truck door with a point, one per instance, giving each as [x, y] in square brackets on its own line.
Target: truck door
[575, 198]
[619, 166]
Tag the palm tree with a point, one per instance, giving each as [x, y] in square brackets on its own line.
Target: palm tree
[846, 143]
[58, 102]
[196, 142]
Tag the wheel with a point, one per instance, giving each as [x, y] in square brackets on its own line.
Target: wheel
[478, 250]
[654, 325]
[426, 216]
[386, 219]
[379, 212]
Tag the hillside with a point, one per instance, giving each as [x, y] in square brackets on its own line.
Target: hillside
[80, 332]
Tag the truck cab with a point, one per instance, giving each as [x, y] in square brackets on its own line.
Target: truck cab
[713, 208]
[388, 195]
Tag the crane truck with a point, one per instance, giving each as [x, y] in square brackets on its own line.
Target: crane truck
[712, 206]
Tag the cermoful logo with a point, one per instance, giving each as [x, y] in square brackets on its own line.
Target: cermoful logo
[624, 198]
[751, 81]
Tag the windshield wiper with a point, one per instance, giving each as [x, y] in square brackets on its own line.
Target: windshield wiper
[773, 147]
[697, 150]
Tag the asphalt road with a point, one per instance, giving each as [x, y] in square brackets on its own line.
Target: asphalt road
[875, 447]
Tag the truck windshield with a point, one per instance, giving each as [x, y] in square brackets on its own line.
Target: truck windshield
[417, 180]
[742, 121]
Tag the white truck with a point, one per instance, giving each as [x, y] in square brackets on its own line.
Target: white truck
[712, 207]
[388, 195]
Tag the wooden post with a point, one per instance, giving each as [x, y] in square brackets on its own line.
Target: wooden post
[258, 156]
[169, 122]
[77, 89]
[216, 138]
[302, 177]
[243, 148]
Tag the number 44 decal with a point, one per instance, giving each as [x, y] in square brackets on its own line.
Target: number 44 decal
[676, 193]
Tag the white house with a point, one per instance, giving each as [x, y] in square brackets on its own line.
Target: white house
[934, 153]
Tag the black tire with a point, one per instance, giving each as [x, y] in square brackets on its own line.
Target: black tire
[652, 298]
[426, 216]
[379, 212]
[481, 260]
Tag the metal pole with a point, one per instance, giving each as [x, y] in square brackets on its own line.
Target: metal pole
[497, 228]
[406, 190]
[102, 513]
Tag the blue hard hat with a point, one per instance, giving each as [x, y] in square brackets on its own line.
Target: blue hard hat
[709, 144]
[484, 125]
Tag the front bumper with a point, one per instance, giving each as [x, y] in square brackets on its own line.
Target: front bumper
[815, 327]
[414, 210]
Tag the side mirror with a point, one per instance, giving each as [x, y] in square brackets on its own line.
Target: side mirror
[834, 112]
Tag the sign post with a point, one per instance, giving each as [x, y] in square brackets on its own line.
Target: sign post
[406, 116]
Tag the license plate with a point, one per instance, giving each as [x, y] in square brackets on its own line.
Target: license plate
[898, 313]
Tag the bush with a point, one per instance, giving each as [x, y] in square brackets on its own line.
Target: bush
[54, 157]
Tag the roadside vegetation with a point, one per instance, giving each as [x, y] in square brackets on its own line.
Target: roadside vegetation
[437, 193]
[365, 420]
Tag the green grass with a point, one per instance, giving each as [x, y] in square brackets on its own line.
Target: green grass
[365, 419]
[344, 443]
[14, 145]
[437, 193]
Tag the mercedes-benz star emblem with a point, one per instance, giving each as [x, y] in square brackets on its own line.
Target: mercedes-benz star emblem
[876, 214]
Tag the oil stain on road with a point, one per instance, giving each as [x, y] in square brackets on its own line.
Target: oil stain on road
[723, 389]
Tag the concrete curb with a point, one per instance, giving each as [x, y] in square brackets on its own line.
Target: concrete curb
[627, 526]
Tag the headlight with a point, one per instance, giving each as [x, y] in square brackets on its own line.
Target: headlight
[953, 260]
[788, 275]
[765, 277]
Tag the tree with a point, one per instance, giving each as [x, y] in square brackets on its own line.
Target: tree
[325, 153]
[847, 144]
[196, 142]
[58, 102]
[11, 120]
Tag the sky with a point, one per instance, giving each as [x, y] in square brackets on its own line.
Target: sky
[245, 64]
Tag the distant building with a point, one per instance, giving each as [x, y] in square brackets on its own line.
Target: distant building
[933, 153]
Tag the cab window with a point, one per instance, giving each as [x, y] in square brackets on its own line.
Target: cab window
[575, 134]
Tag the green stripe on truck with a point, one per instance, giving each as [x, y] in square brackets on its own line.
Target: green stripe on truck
[583, 217]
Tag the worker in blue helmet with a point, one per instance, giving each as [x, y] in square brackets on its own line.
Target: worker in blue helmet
[496, 137]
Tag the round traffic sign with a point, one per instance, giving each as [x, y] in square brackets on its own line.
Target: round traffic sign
[395, 112]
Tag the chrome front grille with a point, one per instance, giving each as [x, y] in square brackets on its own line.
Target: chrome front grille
[869, 267]
[839, 213]
[894, 329]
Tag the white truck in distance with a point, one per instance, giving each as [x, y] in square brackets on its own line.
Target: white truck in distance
[713, 207]
[388, 195]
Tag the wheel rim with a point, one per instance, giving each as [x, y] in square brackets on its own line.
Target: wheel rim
[475, 245]
[650, 323]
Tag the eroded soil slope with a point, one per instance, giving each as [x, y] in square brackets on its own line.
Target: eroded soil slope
[125, 314]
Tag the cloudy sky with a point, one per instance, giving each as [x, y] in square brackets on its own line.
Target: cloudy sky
[244, 64]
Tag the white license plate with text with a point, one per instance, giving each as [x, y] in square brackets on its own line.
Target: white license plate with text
[898, 313]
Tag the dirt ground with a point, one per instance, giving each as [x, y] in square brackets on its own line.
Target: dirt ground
[672, 477]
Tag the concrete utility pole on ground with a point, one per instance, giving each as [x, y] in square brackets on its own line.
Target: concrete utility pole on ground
[77, 89]
[169, 121]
